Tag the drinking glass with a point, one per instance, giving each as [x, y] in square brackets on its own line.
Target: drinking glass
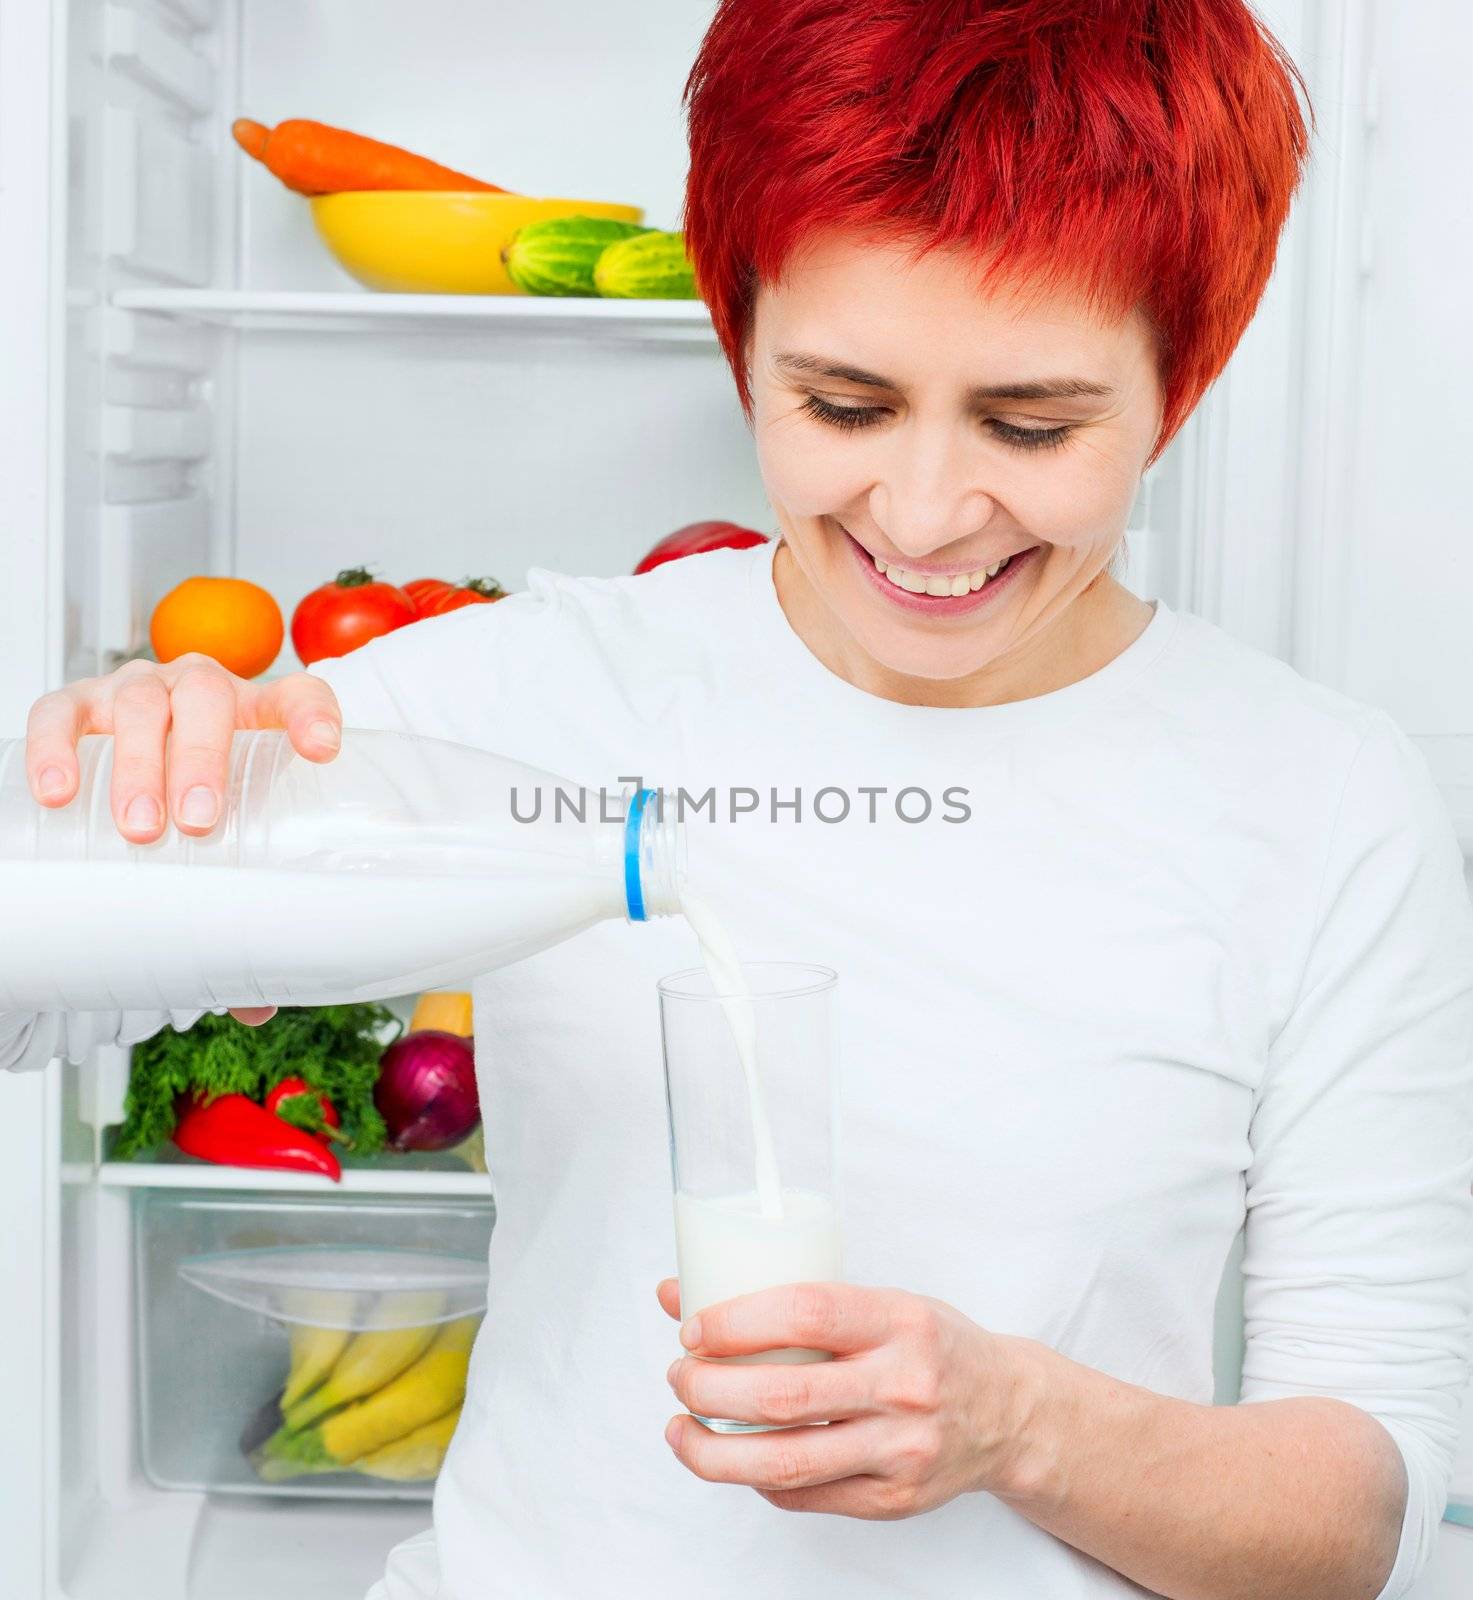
[754, 1142]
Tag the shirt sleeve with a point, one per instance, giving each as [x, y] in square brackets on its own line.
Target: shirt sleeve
[448, 677]
[1359, 1228]
[31, 1040]
[441, 678]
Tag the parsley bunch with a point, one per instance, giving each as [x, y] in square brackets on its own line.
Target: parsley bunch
[334, 1049]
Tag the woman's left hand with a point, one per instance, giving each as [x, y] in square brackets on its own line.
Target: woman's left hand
[921, 1403]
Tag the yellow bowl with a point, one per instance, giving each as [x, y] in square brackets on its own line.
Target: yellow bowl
[437, 241]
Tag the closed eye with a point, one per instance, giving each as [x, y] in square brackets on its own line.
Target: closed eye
[847, 418]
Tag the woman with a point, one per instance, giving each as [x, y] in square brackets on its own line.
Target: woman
[1198, 953]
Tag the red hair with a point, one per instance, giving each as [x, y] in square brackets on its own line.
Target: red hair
[1143, 152]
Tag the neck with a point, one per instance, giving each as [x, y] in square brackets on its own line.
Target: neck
[1091, 630]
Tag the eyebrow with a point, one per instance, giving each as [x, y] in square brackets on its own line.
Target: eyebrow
[1031, 389]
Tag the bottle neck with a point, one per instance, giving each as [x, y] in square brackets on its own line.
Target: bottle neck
[654, 856]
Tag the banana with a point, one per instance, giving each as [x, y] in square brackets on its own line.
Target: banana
[434, 1385]
[318, 1338]
[277, 1469]
[425, 1392]
[371, 1359]
[416, 1456]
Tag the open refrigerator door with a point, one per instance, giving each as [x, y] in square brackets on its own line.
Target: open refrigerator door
[220, 398]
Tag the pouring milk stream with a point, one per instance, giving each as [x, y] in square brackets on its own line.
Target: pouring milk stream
[727, 980]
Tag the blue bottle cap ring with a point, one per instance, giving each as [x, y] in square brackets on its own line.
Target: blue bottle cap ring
[633, 888]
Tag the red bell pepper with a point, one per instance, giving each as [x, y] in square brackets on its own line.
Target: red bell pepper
[236, 1132]
[290, 1089]
[696, 538]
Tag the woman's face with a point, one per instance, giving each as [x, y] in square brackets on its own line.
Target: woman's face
[914, 432]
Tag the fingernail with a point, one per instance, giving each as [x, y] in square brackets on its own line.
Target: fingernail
[670, 1376]
[672, 1432]
[52, 781]
[325, 733]
[690, 1334]
[142, 815]
[198, 807]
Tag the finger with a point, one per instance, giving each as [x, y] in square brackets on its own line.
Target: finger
[306, 707]
[53, 726]
[668, 1293]
[202, 725]
[863, 1496]
[140, 719]
[779, 1393]
[837, 1317]
[252, 1016]
[790, 1458]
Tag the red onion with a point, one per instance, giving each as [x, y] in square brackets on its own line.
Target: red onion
[426, 1090]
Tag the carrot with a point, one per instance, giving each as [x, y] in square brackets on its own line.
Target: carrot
[313, 158]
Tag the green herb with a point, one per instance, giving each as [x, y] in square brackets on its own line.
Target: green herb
[336, 1049]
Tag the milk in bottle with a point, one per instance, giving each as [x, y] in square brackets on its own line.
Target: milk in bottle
[402, 864]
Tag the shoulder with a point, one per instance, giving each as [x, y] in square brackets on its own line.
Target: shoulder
[1255, 707]
[564, 647]
[1283, 740]
[1232, 677]
[678, 604]
[680, 600]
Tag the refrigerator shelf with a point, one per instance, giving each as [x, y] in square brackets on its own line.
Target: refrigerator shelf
[356, 1180]
[663, 321]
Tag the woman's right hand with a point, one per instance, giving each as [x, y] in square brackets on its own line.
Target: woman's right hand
[172, 726]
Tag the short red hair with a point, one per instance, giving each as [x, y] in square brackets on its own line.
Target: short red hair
[1143, 151]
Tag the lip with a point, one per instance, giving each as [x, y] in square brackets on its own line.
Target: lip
[932, 605]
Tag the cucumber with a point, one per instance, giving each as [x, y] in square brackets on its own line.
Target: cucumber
[557, 255]
[652, 266]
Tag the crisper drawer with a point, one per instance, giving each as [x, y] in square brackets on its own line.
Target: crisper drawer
[297, 1345]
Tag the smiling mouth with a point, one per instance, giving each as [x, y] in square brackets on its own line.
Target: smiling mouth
[939, 593]
[939, 585]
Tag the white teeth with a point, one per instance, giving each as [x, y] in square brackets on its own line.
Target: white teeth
[957, 584]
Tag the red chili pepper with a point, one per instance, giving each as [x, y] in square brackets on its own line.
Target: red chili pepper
[292, 1089]
[236, 1132]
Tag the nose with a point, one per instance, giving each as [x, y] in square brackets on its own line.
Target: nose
[928, 496]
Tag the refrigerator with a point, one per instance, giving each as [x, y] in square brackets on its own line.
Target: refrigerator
[190, 384]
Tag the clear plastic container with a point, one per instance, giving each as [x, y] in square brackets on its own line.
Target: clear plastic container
[291, 1345]
[402, 864]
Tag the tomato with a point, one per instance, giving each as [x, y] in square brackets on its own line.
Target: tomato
[433, 597]
[234, 622]
[424, 592]
[346, 613]
[697, 537]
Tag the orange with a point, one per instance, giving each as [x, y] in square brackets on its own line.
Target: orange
[235, 622]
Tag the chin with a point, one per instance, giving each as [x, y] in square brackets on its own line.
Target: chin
[938, 660]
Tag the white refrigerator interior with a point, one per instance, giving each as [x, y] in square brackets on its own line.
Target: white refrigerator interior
[191, 385]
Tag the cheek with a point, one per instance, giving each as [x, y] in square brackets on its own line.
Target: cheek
[1077, 502]
[807, 475]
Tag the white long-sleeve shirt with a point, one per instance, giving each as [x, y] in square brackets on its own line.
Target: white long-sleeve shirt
[1200, 957]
